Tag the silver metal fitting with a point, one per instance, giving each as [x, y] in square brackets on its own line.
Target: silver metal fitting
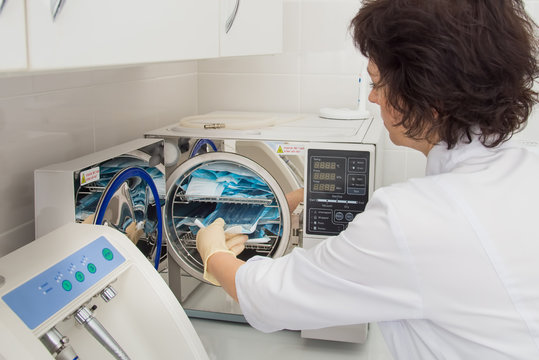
[214, 126]
[83, 315]
[108, 293]
[58, 345]
[296, 227]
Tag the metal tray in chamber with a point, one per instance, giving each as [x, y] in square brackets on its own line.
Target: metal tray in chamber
[230, 186]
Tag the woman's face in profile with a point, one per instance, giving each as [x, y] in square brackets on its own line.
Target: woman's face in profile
[390, 116]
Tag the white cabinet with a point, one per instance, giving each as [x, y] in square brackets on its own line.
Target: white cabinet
[118, 32]
[12, 35]
[251, 27]
[92, 33]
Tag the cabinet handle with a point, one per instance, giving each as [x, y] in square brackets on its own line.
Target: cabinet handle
[56, 7]
[232, 17]
[2, 3]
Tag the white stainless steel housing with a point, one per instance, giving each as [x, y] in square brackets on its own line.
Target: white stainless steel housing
[275, 146]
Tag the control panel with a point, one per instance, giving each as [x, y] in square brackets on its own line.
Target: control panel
[48, 292]
[337, 189]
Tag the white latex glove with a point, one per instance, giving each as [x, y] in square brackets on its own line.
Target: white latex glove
[212, 239]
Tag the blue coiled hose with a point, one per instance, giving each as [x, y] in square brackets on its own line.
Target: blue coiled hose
[115, 184]
[199, 144]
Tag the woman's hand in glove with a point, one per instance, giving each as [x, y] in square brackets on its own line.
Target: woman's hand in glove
[212, 240]
[235, 242]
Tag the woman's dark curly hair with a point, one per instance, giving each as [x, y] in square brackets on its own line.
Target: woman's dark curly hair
[453, 68]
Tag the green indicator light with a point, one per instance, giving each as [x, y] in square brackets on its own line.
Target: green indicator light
[107, 254]
[91, 268]
[66, 284]
[79, 276]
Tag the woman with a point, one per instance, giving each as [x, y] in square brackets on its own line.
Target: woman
[446, 264]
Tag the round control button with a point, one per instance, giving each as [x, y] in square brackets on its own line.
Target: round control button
[91, 268]
[107, 254]
[349, 216]
[79, 276]
[339, 216]
[66, 284]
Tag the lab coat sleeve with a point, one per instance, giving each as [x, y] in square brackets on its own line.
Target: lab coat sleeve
[364, 274]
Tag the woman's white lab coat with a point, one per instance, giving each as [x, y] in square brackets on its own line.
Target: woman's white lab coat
[447, 264]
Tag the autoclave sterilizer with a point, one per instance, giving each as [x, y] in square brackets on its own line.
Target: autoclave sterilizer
[235, 165]
[240, 166]
[122, 186]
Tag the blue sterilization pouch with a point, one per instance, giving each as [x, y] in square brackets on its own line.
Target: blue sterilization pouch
[226, 180]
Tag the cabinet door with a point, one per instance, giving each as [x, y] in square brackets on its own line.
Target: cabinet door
[89, 33]
[256, 29]
[12, 35]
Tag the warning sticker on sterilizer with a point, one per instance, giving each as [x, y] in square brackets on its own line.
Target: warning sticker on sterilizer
[90, 175]
[289, 149]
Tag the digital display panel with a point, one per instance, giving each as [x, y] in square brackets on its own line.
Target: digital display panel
[328, 174]
[337, 187]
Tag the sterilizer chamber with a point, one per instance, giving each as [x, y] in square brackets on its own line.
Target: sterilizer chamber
[122, 187]
[269, 236]
[124, 197]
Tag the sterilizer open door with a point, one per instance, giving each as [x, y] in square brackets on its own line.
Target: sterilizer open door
[250, 194]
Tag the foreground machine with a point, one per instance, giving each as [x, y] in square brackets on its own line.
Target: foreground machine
[85, 291]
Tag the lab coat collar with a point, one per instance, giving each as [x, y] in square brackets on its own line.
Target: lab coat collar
[441, 160]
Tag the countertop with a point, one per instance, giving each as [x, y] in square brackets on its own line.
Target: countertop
[236, 341]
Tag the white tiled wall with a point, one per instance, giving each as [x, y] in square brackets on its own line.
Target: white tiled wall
[49, 118]
[318, 68]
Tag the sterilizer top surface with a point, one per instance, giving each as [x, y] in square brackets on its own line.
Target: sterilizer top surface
[287, 127]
